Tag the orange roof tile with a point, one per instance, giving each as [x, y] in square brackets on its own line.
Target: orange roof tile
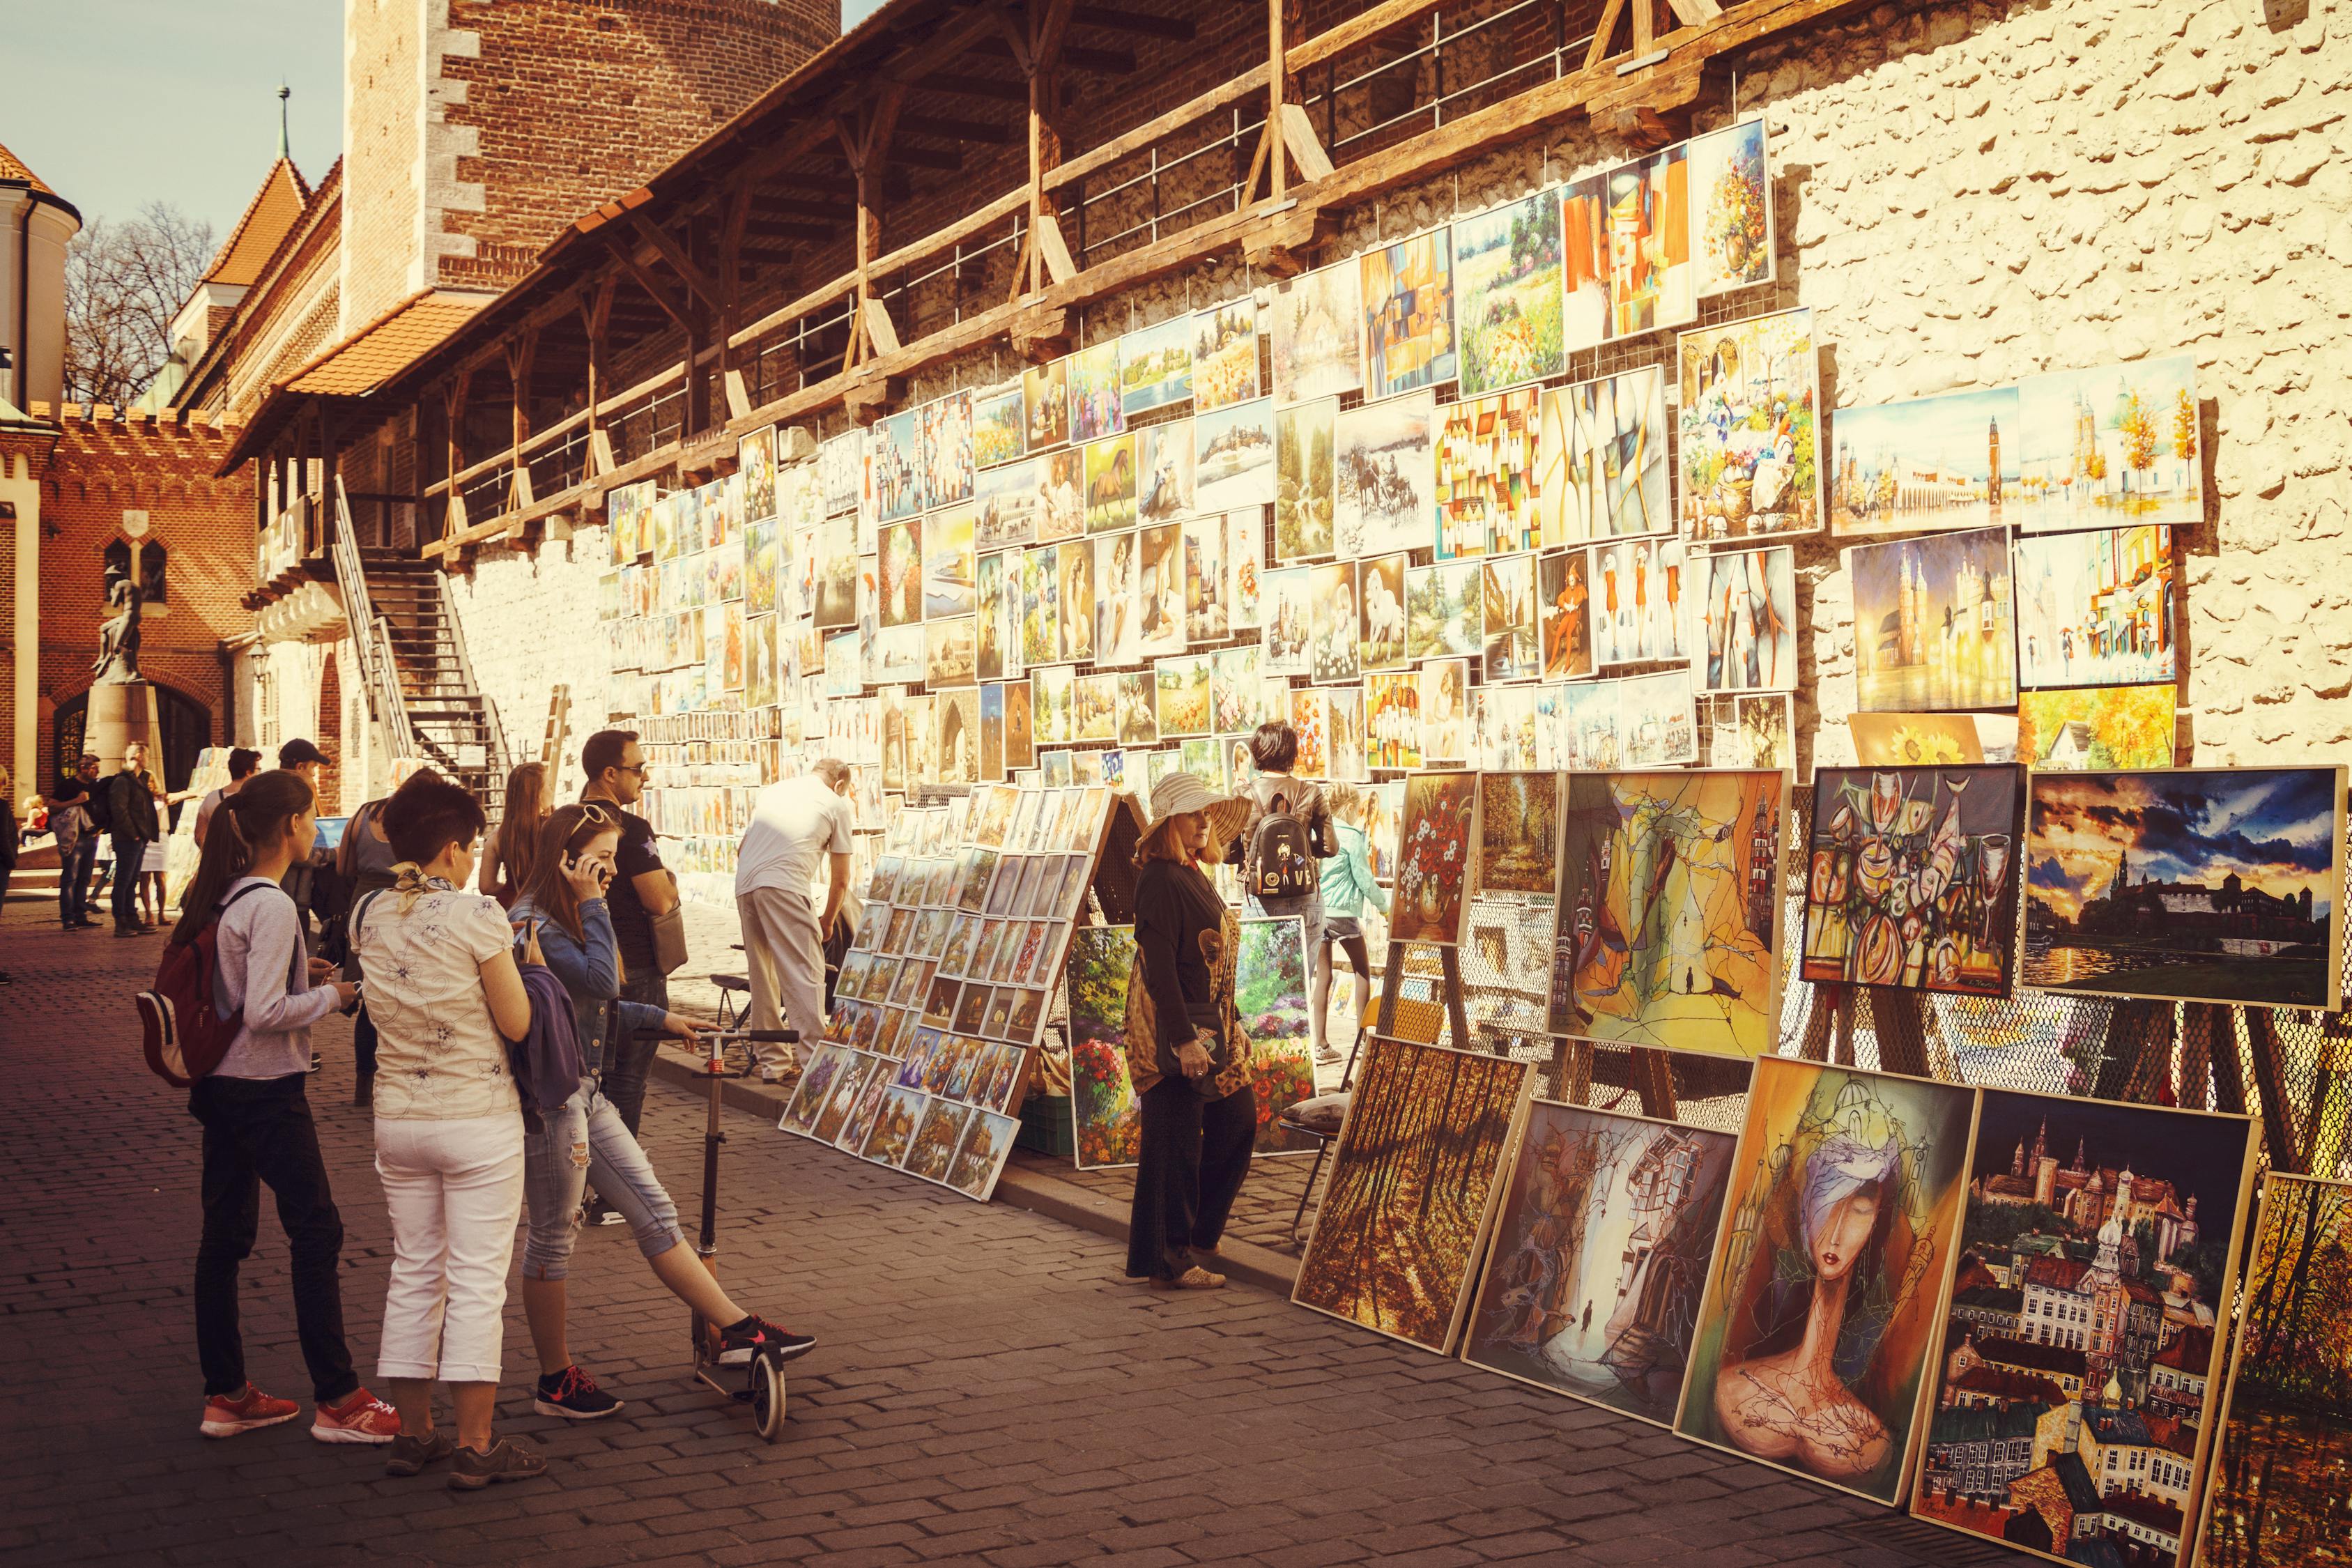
[385, 346]
[269, 216]
[12, 167]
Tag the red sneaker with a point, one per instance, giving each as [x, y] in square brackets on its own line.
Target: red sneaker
[358, 1417]
[228, 1415]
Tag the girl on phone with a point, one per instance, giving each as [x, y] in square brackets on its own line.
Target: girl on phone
[567, 926]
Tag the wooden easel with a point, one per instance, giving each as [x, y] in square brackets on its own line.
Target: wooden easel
[559, 727]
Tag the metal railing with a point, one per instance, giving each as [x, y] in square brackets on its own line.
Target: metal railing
[371, 635]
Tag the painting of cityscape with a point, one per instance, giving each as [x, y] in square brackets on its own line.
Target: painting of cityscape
[1935, 622]
[2276, 1493]
[1912, 878]
[1601, 1255]
[2081, 1346]
[1669, 912]
[1818, 1323]
[2096, 608]
[2115, 444]
[1750, 396]
[1930, 463]
[2194, 884]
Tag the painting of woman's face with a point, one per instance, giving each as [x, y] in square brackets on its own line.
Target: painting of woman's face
[1841, 1241]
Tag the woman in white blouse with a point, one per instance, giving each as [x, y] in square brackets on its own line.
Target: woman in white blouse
[438, 971]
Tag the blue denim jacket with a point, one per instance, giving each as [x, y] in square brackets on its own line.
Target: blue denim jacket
[591, 972]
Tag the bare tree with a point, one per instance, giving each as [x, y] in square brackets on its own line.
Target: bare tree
[124, 282]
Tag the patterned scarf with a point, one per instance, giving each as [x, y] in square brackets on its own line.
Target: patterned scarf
[409, 880]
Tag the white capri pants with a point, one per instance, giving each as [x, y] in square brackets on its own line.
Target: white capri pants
[453, 1190]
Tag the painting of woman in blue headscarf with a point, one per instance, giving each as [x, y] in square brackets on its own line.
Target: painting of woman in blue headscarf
[1836, 1244]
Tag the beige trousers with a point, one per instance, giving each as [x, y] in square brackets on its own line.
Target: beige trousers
[784, 952]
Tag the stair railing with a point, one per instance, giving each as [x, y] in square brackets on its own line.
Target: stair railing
[370, 632]
[495, 750]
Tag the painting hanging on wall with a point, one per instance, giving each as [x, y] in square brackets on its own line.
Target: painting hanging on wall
[1584, 261]
[1432, 856]
[1159, 590]
[1444, 711]
[1316, 333]
[1225, 355]
[1092, 383]
[1670, 909]
[1408, 315]
[998, 428]
[1750, 396]
[1380, 611]
[1606, 1229]
[1507, 299]
[1306, 489]
[2141, 1227]
[1929, 463]
[1109, 477]
[2194, 884]
[755, 465]
[1061, 494]
[1912, 878]
[1393, 720]
[1935, 622]
[1445, 610]
[1819, 1322]
[1638, 607]
[944, 430]
[1233, 457]
[1486, 458]
[1045, 405]
[1749, 621]
[1564, 598]
[1518, 834]
[2097, 729]
[1270, 1000]
[2096, 608]
[1102, 1099]
[1155, 367]
[2285, 1442]
[1601, 469]
[1164, 461]
[1288, 616]
[1511, 648]
[1382, 501]
[1650, 282]
[1334, 656]
[1411, 1183]
[2116, 444]
[1731, 209]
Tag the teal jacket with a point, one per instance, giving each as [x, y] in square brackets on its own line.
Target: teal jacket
[1348, 884]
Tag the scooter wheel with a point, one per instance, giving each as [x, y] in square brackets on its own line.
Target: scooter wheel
[768, 1397]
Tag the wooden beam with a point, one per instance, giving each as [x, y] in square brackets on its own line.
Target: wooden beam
[1277, 81]
[1695, 13]
[1111, 62]
[1358, 29]
[1601, 33]
[990, 87]
[1111, 19]
[1305, 151]
[660, 296]
[1153, 129]
[984, 132]
[879, 327]
[1055, 250]
[693, 277]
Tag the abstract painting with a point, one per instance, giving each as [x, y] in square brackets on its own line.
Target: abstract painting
[2196, 884]
[1408, 315]
[1911, 878]
[1750, 393]
[1383, 500]
[1930, 463]
[2097, 729]
[1155, 367]
[1650, 282]
[1818, 1323]
[1412, 1186]
[1233, 457]
[2286, 1434]
[1102, 1099]
[1638, 609]
[1670, 909]
[1749, 617]
[1935, 622]
[1432, 856]
[2096, 608]
[1315, 334]
[1507, 299]
[1393, 720]
[1485, 456]
[1225, 355]
[1601, 465]
[1602, 1242]
[2122, 1255]
[1518, 834]
[2116, 444]
[1270, 999]
[1584, 261]
[1731, 209]
[1305, 492]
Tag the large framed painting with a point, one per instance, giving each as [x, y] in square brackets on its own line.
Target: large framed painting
[2275, 1496]
[1935, 622]
[1602, 1242]
[2096, 608]
[1413, 1180]
[1601, 469]
[2189, 884]
[1433, 847]
[1839, 1230]
[1912, 878]
[1750, 396]
[2111, 445]
[2080, 1361]
[1506, 279]
[1670, 909]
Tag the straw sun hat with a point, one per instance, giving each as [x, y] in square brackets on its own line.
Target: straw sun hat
[1178, 793]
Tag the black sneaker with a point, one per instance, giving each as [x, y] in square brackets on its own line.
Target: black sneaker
[596, 1211]
[739, 1343]
[573, 1394]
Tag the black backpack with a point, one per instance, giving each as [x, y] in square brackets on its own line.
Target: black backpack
[98, 803]
[1282, 855]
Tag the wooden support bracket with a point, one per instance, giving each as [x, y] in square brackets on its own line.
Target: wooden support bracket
[1283, 245]
[1059, 266]
[1042, 333]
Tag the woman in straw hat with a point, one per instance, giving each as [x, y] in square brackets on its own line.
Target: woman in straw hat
[1185, 1049]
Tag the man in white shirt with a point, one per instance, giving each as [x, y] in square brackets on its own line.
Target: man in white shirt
[798, 826]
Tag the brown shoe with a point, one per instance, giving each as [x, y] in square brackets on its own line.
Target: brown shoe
[1194, 1278]
[409, 1455]
[505, 1460]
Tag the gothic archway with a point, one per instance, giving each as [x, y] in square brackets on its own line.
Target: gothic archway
[187, 729]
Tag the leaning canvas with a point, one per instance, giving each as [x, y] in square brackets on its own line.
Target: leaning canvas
[2081, 1346]
[2190, 884]
[1102, 1102]
[1819, 1324]
[1670, 909]
[1602, 1242]
[1410, 1190]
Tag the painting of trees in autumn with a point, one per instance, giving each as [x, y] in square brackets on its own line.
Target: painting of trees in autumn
[2279, 1481]
[1102, 1099]
[1409, 1190]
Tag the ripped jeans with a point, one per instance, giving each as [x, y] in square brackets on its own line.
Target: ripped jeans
[586, 1140]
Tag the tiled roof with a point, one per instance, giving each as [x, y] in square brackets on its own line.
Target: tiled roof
[2192, 1351]
[272, 212]
[12, 167]
[385, 346]
[2056, 1273]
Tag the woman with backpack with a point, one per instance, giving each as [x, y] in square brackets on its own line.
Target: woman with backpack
[1348, 885]
[256, 1118]
[1288, 834]
[563, 908]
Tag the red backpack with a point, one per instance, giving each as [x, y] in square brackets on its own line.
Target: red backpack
[186, 1035]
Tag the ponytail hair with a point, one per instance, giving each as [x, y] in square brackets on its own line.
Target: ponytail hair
[256, 814]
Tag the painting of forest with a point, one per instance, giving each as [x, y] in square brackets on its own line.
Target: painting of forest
[1601, 1253]
[1270, 996]
[2285, 1439]
[1102, 1100]
[1409, 1190]
[1519, 833]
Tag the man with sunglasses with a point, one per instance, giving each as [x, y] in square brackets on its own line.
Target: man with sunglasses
[642, 890]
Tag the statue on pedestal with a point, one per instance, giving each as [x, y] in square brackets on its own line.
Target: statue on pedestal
[118, 639]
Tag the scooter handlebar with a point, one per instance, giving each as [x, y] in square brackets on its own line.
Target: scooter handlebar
[768, 1036]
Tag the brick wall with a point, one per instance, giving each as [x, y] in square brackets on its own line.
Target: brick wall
[384, 130]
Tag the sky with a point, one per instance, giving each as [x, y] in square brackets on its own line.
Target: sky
[117, 103]
[2275, 828]
[856, 11]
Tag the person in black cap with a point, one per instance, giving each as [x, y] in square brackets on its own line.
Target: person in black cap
[302, 757]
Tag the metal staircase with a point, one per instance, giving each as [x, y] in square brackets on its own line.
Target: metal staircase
[411, 654]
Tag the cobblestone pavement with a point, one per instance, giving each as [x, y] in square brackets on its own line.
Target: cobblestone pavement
[989, 1389]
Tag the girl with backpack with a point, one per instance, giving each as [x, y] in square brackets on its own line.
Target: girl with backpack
[256, 1118]
[1288, 834]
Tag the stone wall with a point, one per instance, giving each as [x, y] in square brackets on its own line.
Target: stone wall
[530, 624]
